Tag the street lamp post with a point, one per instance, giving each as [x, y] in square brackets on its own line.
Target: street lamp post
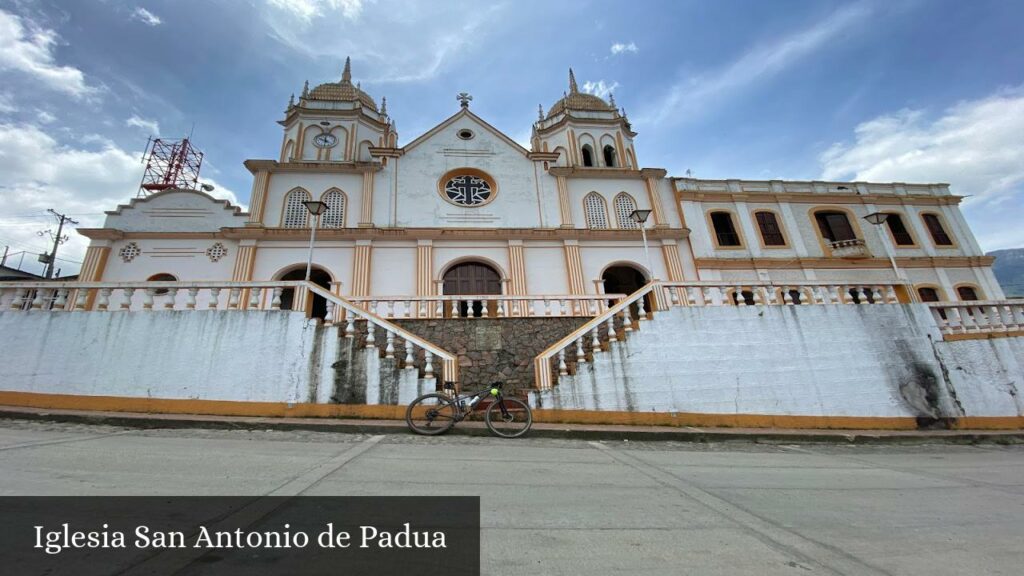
[316, 208]
[640, 217]
[877, 219]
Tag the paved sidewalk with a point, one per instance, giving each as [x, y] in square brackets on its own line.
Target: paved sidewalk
[539, 430]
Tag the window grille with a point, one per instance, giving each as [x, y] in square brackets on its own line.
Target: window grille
[596, 213]
[334, 217]
[771, 233]
[295, 213]
[624, 206]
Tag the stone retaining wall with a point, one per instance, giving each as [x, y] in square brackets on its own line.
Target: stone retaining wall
[494, 348]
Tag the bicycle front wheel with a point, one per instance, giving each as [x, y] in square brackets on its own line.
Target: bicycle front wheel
[431, 414]
[509, 417]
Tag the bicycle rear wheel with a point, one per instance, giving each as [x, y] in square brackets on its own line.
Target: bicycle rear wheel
[431, 414]
[512, 422]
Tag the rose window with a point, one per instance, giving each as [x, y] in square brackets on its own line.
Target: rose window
[468, 190]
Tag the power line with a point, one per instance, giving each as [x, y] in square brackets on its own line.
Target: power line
[58, 239]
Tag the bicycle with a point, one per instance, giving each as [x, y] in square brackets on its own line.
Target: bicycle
[436, 413]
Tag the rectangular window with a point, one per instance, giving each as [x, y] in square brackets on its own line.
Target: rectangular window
[770, 231]
[935, 228]
[835, 226]
[725, 232]
[899, 232]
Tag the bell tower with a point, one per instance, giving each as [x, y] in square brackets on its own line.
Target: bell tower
[586, 131]
[335, 122]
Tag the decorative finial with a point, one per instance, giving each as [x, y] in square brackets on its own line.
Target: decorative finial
[305, 89]
[384, 105]
[573, 88]
[291, 100]
[611, 99]
[540, 112]
[359, 85]
[464, 98]
[346, 74]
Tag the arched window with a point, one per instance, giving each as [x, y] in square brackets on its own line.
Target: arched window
[595, 211]
[609, 156]
[472, 279]
[334, 217]
[588, 155]
[834, 225]
[937, 230]
[295, 213]
[161, 277]
[725, 230]
[967, 293]
[624, 206]
[900, 235]
[771, 232]
[928, 294]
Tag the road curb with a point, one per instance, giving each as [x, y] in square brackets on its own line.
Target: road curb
[566, 431]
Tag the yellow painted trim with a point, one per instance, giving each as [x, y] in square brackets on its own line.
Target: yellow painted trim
[673, 263]
[654, 199]
[818, 198]
[982, 335]
[388, 412]
[574, 268]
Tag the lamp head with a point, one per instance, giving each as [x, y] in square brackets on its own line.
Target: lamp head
[639, 216]
[206, 187]
[315, 207]
[876, 218]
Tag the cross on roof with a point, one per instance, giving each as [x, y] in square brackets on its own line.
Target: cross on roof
[464, 99]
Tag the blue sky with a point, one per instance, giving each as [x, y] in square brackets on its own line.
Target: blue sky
[917, 91]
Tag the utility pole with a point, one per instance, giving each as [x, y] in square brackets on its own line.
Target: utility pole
[51, 259]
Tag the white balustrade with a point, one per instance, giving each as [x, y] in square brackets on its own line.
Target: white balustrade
[979, 317]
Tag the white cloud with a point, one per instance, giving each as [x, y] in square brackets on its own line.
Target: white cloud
[146, 17]
[687, 98]
[599, 88]
[422, 37]
[976, 146]
[150, 127]
[619, 48]
[45, 117]
[27, 48]
[40, 173]
[307, 10]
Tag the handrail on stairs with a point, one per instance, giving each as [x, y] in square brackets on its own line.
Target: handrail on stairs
[449, 362]
[542, 365]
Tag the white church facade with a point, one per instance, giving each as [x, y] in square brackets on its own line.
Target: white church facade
[465, 210]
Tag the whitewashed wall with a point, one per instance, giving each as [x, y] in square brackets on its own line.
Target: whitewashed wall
[207, 355]
[794, 360]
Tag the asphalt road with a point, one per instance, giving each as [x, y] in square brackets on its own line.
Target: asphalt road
[576, 507]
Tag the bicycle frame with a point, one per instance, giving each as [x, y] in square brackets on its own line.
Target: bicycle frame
[465, 409]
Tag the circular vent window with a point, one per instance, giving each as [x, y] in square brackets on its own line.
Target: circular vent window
[468, 187]
[465, 134]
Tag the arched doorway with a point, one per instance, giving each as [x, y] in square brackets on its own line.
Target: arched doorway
[472, 279]
[317, 276]
[625, 279]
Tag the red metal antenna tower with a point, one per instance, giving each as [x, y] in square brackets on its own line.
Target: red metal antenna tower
[170, 164]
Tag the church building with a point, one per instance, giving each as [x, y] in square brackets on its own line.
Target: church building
[465, 210]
